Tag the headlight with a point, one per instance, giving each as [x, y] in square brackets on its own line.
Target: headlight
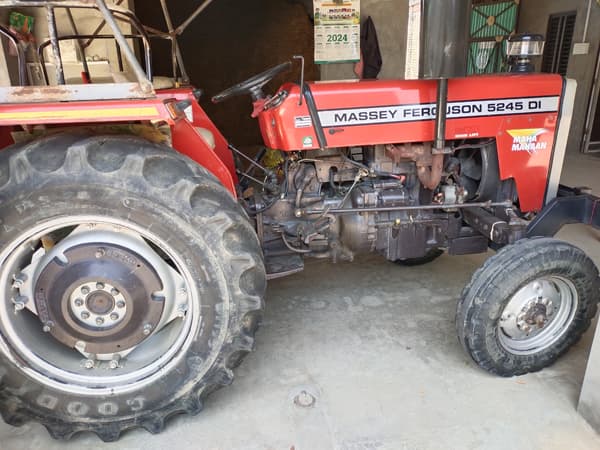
[524, 45]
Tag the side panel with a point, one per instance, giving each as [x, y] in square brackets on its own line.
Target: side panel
[562, 137]
[519, 111]
[199, 118]
[188, 141]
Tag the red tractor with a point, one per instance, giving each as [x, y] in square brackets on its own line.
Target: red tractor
[135, 247]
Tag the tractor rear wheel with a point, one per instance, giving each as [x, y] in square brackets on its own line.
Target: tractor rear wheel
[132, 284]
[527, 305]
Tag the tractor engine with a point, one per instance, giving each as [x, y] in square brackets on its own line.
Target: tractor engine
[338, 203]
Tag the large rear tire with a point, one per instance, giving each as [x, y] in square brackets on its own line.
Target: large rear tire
[527, 305]
[132, 284]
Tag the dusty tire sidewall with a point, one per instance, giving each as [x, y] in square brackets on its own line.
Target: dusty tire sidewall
[25, 210]
[480, 337]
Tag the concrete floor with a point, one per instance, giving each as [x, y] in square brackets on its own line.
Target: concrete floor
[375, 344]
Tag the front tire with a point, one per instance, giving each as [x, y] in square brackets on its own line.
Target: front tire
[527, 305]
[132, 284]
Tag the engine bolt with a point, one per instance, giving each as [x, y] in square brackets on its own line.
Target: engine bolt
[85, 315]
[100, 252]
[78, 302]
[114, 316]
[99, 321]
[114, 292]
[99, 286]
[120, 304]
[85, 290]
[89, 364]
[147, 329]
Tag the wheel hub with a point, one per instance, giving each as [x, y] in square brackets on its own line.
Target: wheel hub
[98, 305]
[537, 315]
[100, 300]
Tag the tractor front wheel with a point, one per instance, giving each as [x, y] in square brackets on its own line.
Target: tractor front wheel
[132, 283]
[527, 305]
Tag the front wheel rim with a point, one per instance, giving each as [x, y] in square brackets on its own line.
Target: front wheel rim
[538, 315]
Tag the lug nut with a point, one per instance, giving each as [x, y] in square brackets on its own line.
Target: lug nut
[120, 304]
[19, 280]
[114, 292]
[78, 302]
[19, 306]
[99, 321]
[114, 316]
[147, 329]
[99, 286]
[85, 290]
[85, 315]
[89, 364]
[114, 364]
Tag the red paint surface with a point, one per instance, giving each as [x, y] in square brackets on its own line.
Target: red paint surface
[187, 141]
[185, 137]
[529, 169]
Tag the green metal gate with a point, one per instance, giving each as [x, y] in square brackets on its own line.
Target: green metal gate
[492, 22]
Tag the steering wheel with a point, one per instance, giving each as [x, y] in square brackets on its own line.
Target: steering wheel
[254, 85]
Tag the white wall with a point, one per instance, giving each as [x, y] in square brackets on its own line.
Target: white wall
[391, 20]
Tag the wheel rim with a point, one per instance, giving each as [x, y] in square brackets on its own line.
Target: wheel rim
[51, 352]
[538, 315]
